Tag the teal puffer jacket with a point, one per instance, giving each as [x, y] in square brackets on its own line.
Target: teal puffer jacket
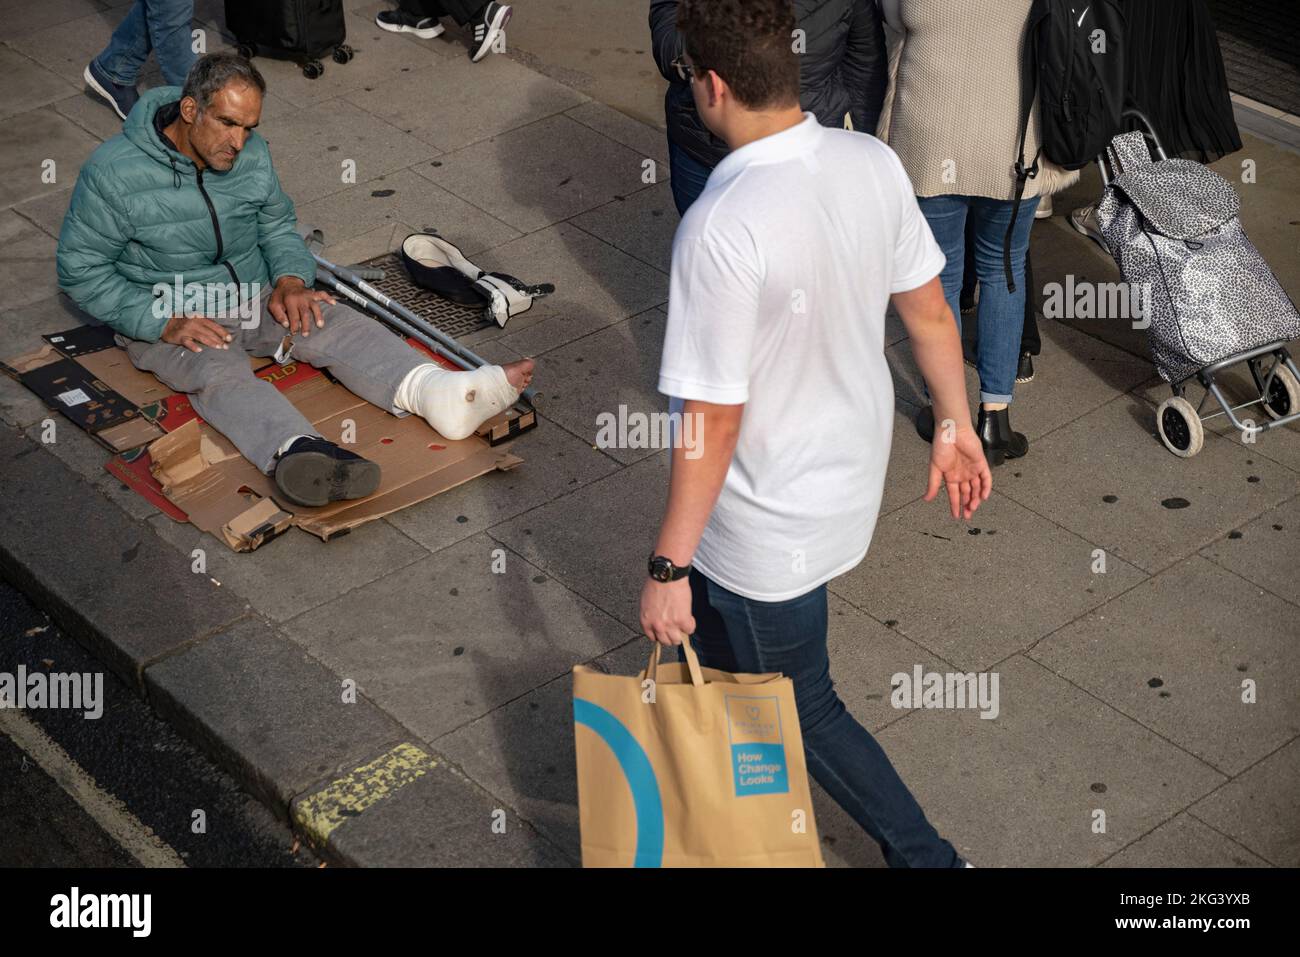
[143, 214]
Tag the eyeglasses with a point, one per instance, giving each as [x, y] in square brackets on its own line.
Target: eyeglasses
[684, 69]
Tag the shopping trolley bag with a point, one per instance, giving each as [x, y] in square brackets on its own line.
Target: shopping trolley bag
[684, 766]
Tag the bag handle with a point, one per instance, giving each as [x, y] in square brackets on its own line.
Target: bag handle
[692, 663]
[1028, 91]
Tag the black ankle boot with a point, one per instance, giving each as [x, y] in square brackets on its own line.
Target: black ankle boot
[1000, 442]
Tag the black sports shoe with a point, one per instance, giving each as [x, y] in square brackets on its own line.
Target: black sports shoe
[489, 25]
[120, 98]
[314, 472]
[925, 423]
[396, 21]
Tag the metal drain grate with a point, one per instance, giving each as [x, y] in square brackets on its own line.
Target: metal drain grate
[450, 318]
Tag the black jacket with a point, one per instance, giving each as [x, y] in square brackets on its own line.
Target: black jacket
[843, 69]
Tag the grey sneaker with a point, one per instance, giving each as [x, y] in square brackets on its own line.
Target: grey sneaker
[1084, 219]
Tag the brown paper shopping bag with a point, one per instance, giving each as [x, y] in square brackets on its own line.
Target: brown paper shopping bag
[683, 766]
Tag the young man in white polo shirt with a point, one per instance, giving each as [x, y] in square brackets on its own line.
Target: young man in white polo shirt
[781, 275]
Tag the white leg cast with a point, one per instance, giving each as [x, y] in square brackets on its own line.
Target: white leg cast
[455, 403]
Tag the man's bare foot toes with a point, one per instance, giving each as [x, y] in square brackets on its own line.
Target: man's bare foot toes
[520, 373]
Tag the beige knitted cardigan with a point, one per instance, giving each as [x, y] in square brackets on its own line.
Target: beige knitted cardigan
[952, 108]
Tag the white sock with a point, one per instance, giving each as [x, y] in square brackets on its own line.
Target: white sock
[289, 441]
[455, 403]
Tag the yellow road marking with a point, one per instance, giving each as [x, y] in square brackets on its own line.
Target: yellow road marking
[319, 815]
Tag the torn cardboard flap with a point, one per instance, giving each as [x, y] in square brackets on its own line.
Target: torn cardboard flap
[255, 525]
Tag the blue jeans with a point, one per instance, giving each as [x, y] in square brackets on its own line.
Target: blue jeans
[738, 634]
[1001, 312]
[162, 26]
[688, 177]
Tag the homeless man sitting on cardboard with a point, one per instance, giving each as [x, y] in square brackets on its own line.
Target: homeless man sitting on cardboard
[186, 198]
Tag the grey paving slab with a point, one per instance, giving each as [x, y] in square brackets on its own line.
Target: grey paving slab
[77, 450]
[443, 641]
[404, 197]
[975, 597]
[28, 84]
[595, 286]
[1280, 444]
[18, 406]
[416, 100]
[649, 141]
[442, 820]
[555, 463]
[301, 139]
[90, 113]
[1185, 842]
[1174, 652]
[596, 542]
[1265, 551]
[540, 174]
[47, 135]
[47, 212]
[1260, 809]
[26, 262]
[1114, 451]
[1075, 374]
[1021, 790]
[524, 751]
[60, 542]
[67, 45]
[21, 328]
[21, 18]
[909, 461]
[642, 225]
[267, 712]
[595, 376]
[296, 571]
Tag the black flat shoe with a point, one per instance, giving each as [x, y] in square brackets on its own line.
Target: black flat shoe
[1000, 443]
[925, 423]
[1025, 369]
[315, 472]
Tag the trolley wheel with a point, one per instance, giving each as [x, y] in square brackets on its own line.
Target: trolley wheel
[247, 50]
[313, 69]
[1283, 392]
[1180, 427]
[342, 53]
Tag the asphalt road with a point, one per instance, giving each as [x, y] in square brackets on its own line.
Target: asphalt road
[136, 785]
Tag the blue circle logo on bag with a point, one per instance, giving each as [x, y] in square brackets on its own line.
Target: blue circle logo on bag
[640, 776]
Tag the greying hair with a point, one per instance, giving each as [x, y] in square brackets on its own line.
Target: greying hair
[213, 71]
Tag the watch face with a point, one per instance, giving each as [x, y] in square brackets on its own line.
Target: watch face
[661, 570]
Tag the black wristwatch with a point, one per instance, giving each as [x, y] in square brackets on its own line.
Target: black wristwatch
[663, 570]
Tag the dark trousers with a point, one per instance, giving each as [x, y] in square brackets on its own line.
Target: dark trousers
[738, 634]
[462, 11]
[970, 331]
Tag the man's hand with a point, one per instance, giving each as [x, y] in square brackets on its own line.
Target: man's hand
[295, 307]
[195, 332]
[957, 462]
[666, 611]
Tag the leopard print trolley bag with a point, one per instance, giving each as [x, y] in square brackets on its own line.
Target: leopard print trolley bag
[1209, 300]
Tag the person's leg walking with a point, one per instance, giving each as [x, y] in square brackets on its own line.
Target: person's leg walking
[170, 33]
[128, 48]
[790, 637]
[1001, 312]
[947, 218]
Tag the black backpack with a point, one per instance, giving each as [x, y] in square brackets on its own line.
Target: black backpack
[1074, 61]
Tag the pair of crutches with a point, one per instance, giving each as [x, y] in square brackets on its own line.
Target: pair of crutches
[351, 285]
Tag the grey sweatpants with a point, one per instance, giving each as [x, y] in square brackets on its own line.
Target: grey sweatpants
[251, 412]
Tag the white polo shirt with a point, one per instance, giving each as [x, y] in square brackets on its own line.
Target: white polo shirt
[782, 271]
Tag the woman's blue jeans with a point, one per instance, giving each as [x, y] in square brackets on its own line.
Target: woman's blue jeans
[688, 176]
[1001, 312]
[162, 26]
[738, 634]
